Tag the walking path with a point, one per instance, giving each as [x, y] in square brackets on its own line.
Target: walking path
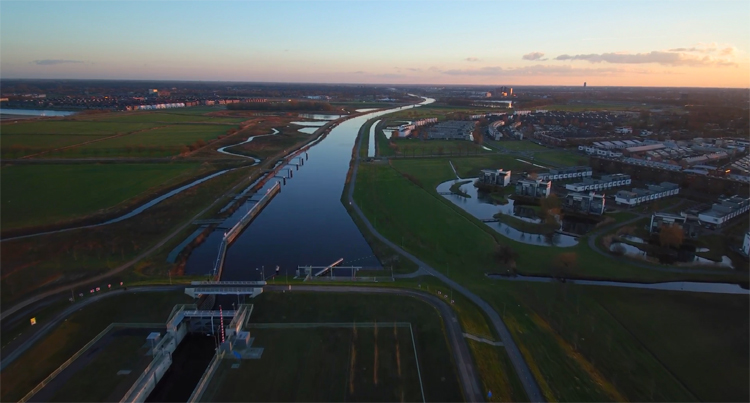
[483, 340]
[522, 369]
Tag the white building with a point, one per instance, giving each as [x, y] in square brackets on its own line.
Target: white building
[495, 177]
[605, 182]
[588, 203]
[566, 173]
[533, 187]
[652, 192]
[724, 210]
[746, 244]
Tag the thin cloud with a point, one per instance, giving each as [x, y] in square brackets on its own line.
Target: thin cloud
[471, 59]
[540, 70]
[52, 62]
[533, 56]
[665, 58]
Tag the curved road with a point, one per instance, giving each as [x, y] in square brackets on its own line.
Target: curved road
[462, 355]
[464, 361]
[19, 346]
[522, 369]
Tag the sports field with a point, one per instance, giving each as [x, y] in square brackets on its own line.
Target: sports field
[367, 361]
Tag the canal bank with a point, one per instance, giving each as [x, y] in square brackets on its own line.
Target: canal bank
[306, 224]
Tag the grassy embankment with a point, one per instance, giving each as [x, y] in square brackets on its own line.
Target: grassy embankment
[457, 241]
[72, 334]
[36, 263]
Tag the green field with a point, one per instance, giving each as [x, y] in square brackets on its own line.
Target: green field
[417, 147]
[435, 357]
[149, 134]
[53, 260]
[158, 142]
[352, 363]
[71, 335]
[575, 348]
[604, 343]
[518, 145]
[45, 194]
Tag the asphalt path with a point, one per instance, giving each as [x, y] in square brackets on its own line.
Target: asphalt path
[522, 369]
[464, 362]
[17, 347]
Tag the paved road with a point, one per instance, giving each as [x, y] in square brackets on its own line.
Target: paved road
[464, 362]
[522, 369]
[17, 347]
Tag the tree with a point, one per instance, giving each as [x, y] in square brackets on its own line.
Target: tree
[671, 235]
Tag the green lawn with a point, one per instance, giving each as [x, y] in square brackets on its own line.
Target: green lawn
[74, 127]
[172, 116]
[416, 147]
[71, 335]
[351, 363]
[518, 145]
[45, 194]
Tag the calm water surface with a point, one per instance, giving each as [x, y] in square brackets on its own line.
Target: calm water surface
[305, 224]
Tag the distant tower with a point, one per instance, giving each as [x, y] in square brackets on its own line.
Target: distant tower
[584, 84]
[510, 92]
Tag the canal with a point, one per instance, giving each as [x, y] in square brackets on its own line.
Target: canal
[306, 224]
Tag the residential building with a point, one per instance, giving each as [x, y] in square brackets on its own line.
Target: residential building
[585, 203]
[724, 210]
[566, 173]
[605, 182]
[497, 177]
[533, 187]
[690, 227]
[635, 197]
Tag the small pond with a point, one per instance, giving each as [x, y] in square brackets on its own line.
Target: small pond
[685, 257]
[317, 116]
[484, 207]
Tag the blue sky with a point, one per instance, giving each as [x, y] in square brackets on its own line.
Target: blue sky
[682, 43]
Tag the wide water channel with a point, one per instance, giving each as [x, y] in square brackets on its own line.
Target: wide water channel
[305, 224]
[483, 207]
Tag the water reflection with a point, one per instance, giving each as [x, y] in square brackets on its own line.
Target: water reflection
[716, 288]
[305, 224]
[309, 123]
[316, 116]
[484, 207]
[685, 259]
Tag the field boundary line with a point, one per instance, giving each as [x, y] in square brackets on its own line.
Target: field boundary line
[416, 358]
[326, 325]
[79, 353]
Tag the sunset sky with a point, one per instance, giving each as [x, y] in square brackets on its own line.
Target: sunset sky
[622, 43]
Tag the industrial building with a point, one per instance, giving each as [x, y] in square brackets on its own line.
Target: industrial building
[585, 203]
[605, 182]
[451, 130]
[566, 173]
[724, 210]
[652, 192]
[533, 187]
[497, 177]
